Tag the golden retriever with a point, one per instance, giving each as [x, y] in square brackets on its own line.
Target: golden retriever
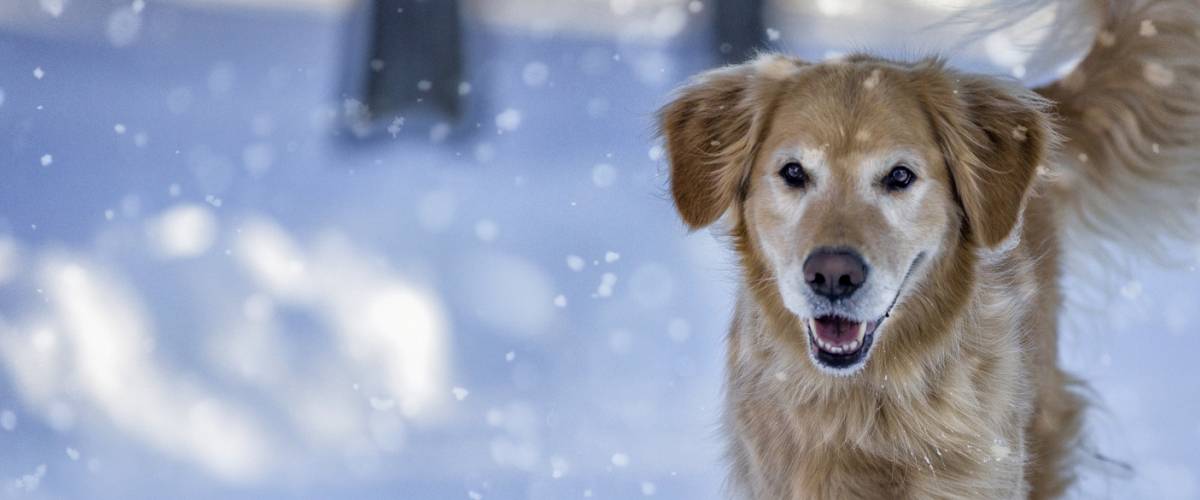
[899, 227]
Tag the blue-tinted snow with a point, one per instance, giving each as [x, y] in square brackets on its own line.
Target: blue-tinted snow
[290, 312]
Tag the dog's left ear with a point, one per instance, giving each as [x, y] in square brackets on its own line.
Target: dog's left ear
[993, 135]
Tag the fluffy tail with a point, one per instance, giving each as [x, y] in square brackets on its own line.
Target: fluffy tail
[1129, 170]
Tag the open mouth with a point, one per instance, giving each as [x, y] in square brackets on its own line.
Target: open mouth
[840, 343]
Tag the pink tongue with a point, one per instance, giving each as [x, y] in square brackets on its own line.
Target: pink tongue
[837, 332]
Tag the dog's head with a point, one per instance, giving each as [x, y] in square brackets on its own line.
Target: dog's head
[852, 184]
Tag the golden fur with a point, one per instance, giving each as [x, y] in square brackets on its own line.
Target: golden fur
[961, 395]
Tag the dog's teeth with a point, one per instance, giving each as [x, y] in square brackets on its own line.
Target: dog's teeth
[862, 330]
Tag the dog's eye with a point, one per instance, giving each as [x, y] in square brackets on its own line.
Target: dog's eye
[793, 174]
[899, 178]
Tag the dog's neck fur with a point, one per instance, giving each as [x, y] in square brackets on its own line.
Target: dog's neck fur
[841, 437]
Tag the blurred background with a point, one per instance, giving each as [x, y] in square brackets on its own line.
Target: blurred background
[423, 249]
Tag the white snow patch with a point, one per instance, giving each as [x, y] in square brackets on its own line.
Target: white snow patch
[182, 231]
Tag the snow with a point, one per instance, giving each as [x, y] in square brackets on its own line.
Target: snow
[216, 289]
[53, 7]
[124, 26]
[604, 175]
[8, 420]
[620, 459]
[508, 120]
[183, 231]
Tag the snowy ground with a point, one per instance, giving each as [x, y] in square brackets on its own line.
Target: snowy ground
[208, 289]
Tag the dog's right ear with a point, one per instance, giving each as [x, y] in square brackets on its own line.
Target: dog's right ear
[712, 129]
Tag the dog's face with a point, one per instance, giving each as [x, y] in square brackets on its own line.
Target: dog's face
[851, 181]
[846, 199]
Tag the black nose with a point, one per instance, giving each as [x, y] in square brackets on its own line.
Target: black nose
[834, 274]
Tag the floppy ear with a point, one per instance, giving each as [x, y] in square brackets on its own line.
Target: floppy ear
[993, 135]
[712, 129]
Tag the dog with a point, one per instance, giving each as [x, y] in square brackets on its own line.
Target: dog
[900, 231]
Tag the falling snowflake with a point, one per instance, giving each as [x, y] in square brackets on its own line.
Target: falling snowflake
[620, 459]
[772, 34]
[560, 301]
[607, 282]
[508, 120]
[1147, 28]
[38, 73]
[872, 80]
[603, 175]
[395, 126]
[8, 420]
[47, 159]
[460, 393]
[575, 263]
[1158, 75]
